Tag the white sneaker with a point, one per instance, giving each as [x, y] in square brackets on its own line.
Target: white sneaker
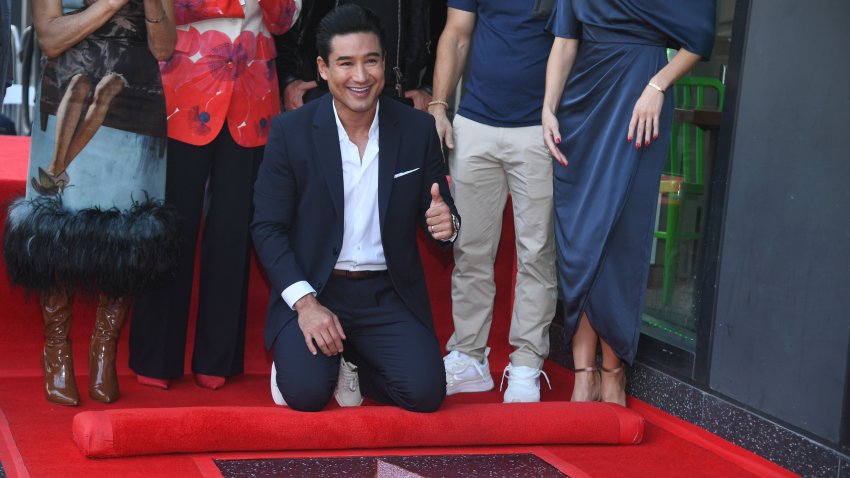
[276, 395]
[347, 391]
[464, 374]
[523, 383]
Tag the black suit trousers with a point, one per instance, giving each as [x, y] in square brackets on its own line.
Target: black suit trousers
[213, 182]
[398, 358]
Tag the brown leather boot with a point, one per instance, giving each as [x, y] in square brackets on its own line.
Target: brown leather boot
[103, 376]
[58, 361]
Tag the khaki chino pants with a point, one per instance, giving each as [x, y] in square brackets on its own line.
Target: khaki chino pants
[487, 163]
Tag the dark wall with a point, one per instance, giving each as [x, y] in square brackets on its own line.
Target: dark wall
[783, 305]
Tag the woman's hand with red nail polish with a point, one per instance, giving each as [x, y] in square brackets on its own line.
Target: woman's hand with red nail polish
[552, 136]
[645, 116]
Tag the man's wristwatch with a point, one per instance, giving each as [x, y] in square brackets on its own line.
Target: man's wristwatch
[455, 228]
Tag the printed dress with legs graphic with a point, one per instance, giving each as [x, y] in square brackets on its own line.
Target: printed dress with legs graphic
[93, 218]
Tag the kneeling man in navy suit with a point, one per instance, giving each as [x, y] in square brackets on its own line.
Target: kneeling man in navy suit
[344, 182]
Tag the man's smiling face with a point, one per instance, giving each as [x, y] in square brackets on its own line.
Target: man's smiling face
[354, 72]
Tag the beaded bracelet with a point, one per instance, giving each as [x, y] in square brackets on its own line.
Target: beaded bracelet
[438, 102]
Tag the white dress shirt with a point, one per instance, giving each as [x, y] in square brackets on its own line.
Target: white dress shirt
[362, 249]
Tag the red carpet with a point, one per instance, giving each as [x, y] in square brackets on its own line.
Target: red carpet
[36, 437]
[127, 432]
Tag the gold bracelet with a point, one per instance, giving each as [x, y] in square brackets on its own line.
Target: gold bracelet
[438, 102]
[660, 89]
[161, 18]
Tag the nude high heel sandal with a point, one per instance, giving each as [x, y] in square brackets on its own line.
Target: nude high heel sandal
[615, 390]
[594, 392]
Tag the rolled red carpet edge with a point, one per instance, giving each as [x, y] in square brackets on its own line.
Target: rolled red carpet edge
[148, 431]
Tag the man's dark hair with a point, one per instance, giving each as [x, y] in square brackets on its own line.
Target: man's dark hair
[345, 19]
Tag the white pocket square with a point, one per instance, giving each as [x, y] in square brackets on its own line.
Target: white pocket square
[404, 173]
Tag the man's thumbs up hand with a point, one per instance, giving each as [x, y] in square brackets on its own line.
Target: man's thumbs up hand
[439, 216]
[436, 197]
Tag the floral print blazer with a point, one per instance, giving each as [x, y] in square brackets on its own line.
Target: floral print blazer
[223, 69]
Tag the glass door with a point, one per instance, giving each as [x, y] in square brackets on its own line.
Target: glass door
[674, 309]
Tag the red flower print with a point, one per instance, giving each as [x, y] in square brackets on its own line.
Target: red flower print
[265, 49]
[250, 123]
[278, 15]
[262, 119]
[212, 79]
[171, 69]
[196, 117]
[257, 81]
[170, 106]
[223, 60]
[188, 11]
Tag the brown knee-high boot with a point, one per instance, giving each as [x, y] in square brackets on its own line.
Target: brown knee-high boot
[111, 312]
[58, 361]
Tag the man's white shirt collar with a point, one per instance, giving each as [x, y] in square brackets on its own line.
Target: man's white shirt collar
[343, 135]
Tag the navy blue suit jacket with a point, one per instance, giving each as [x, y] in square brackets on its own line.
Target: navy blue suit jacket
[298, 202]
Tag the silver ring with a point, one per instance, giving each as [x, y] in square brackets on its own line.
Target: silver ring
[432, 229]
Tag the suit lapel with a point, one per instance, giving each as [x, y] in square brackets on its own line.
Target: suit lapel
[326, 140]
[388, 144]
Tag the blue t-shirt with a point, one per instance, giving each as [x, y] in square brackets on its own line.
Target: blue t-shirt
[507, 64]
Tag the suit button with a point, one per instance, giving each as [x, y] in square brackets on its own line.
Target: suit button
[319, 286]
[335, 251]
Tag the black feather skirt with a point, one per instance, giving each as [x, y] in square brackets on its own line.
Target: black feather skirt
[48, 247]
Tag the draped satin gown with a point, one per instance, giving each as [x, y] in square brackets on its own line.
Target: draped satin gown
[605, 199]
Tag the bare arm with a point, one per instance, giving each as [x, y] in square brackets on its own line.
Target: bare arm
[452, 52]
[57, 32]
[558, 69]
[162, 35]
[644, 122]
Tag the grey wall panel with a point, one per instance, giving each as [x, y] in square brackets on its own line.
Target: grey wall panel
[783, 304]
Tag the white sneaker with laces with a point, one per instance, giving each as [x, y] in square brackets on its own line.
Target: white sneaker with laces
[276, 395]
[523, 383]
[347, 391]
[465, 374]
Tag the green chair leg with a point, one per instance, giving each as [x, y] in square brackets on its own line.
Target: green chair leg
[671, 248]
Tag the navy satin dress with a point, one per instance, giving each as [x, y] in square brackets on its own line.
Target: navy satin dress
[605, 199]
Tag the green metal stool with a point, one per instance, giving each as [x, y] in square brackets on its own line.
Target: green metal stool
[683, 175]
